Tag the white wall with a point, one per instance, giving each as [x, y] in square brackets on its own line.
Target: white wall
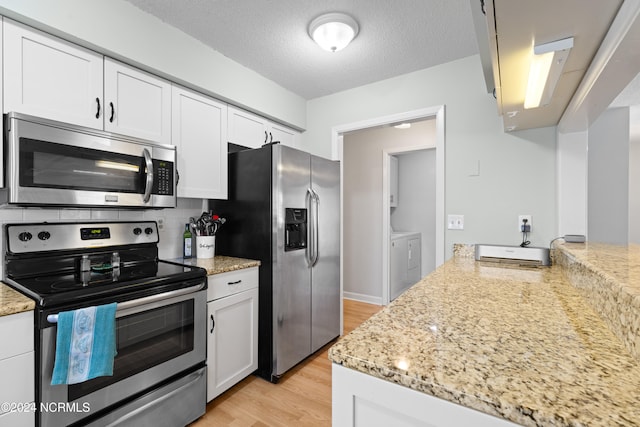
[120, 30]
[517, 172]
[634, 174]
[572, 183]
[608, 177]
[416, 209]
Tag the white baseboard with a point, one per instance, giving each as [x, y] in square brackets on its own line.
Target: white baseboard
[362, 298]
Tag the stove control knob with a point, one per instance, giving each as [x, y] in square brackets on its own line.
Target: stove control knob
[44, 235]
[148, 230]
[25, 236]
[137, 231]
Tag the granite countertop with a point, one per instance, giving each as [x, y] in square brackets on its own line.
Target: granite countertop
[13, 302]
[521, 344]
[220, 263]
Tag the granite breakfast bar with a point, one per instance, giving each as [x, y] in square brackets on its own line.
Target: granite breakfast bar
[497, 346]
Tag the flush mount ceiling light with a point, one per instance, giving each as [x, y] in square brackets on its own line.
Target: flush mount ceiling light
[403, 125]
[547, 63]
[333, 31]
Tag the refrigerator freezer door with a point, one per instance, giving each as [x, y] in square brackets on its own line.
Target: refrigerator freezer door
[291, 273]
[325, 287]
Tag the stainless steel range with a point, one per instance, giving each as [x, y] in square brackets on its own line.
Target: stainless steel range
[159, 375]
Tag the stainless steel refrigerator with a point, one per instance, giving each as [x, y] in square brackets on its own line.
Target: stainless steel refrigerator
[284, 210]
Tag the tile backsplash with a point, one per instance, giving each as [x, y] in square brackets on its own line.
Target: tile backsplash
[170, 221]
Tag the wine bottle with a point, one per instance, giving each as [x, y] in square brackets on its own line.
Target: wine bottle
[186, 244]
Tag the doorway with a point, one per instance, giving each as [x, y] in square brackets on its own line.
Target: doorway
[365, 252]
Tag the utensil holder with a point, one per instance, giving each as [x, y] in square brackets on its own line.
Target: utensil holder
[205, 246]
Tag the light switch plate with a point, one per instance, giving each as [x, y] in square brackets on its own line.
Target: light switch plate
[455, 222]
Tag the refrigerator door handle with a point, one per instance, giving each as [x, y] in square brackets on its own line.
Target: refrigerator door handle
[316, 229]
[310, 225]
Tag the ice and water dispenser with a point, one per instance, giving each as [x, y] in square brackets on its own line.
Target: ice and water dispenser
[295, 229]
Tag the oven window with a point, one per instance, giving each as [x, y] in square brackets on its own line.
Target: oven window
[51, 165]
[145, 340]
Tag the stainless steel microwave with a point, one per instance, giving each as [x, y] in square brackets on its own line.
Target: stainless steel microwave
[49, 163]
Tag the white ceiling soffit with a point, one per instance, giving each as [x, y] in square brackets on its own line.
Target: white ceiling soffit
[270, 37]
[521, 24]
[612, 79]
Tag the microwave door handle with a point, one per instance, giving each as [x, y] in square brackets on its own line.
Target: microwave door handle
[149, 184]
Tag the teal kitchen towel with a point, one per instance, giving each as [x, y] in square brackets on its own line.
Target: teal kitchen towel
[85, 344]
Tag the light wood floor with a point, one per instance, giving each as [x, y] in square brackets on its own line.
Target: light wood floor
[301, 398]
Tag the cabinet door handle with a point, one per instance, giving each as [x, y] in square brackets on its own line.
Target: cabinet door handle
[270, 138]
[234, 283]
[113, 111]
[265, 136]
[98, 112]
[213, 324]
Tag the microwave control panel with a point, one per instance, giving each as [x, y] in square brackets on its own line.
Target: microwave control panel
[163, 182]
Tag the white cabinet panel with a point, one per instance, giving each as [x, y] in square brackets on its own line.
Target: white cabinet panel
[284, 135]
[232, 346]
[17, 366]
[361, 400]
[199, 131]
[246, 129]
[138, 104]
[393, 181]
[48, 77]
[17, 375]
[253, 131]
[16, 331]
[232, 282]
[18, 419]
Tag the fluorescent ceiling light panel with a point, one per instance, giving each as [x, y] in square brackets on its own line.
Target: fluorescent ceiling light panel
[547, 63]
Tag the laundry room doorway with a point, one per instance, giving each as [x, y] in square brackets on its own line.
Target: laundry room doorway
[366, 210]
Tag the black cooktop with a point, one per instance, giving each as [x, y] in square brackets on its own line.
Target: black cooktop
[131, 280]
[90, 263]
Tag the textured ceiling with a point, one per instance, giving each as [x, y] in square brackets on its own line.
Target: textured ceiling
[270, 37]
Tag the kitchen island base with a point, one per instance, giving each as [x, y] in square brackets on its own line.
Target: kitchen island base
[362, 400]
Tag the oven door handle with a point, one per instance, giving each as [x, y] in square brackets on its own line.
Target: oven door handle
[53, 318]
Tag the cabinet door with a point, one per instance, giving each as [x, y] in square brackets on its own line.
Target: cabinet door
[47, 77]
[393, 181]
[199, 133]
[284, 135]
[232, 344]
[246, 129]
[138, 104]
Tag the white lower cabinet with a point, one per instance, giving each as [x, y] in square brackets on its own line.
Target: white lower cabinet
[360, 400]
[232, 343]
[17, 369]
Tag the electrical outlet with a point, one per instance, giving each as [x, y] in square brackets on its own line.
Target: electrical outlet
[521, 219]
[455, 222]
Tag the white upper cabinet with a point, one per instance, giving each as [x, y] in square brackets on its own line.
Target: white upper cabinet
[137, 103]
[48, 77]
[246, 129]
[200, 136]
[283, 135]
[393, 181]
[253, 131]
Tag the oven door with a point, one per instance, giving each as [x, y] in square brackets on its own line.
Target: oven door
[160, 339]
[50, 163]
